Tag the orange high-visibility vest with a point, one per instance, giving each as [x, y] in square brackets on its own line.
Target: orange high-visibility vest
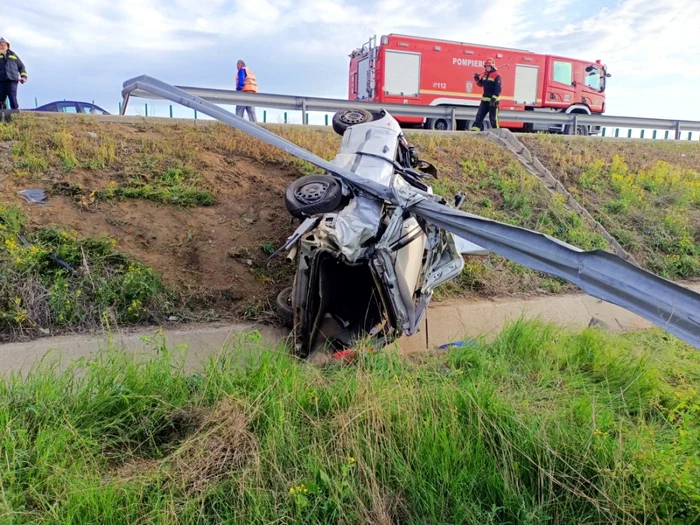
[250, 83]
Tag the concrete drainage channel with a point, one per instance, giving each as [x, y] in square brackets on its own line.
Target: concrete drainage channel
[446, 322]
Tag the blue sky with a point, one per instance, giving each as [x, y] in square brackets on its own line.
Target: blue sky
[301, 47]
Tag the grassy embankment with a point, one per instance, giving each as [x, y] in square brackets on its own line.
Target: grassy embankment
[538, 426]
[647, 195]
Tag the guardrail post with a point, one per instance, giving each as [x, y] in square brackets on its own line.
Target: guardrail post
[304, 116]
[36, 102]
[285, 117]
[195, 114]
[617, 132]
[574, 125]
[642, 134]
[629, 133]
[453, 119]
[171, 111]
[146, 109]
[690, 135]
[120, 108]
[678, 130]
[602, 131]
[326, 120]
[667, 134]
[654, 137]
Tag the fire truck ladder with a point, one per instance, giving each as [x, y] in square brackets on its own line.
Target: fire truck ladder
[372, 52]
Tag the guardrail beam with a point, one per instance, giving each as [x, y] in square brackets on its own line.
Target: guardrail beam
[289, 102]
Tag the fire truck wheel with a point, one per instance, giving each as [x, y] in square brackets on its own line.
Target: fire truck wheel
[439, 124]
[580, 130]
[313, 194]
[342, 120]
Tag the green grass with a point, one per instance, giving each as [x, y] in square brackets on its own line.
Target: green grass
[538, 426]
[98, 285]
[646, 194]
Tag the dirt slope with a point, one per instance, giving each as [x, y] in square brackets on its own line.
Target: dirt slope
[203, 204]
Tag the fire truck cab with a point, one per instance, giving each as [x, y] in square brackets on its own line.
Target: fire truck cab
[414, 70]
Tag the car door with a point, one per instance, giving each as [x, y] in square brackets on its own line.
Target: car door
[561, 91]
[591, 90]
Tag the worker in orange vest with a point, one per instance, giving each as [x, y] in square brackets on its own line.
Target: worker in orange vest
[490, 80]
[247, 83]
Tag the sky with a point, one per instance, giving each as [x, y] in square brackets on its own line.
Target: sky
[301, 47]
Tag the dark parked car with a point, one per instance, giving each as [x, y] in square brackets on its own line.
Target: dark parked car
[71, 106]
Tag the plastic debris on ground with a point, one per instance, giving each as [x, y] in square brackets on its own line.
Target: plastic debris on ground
[34, 196]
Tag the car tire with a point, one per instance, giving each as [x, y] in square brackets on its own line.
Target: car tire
[342, 120]
[312, 195]
[283, 307]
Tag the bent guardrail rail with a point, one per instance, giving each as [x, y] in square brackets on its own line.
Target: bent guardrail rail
[600, 274]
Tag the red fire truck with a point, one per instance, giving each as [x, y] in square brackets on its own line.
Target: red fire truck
[414, 70]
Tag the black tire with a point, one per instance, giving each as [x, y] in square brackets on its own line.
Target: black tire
[283, 307]
[313, 194]
[342, 120]
[439, 124]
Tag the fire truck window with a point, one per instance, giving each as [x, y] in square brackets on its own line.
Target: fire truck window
[593, 78]
[354, 83]
[563, 72]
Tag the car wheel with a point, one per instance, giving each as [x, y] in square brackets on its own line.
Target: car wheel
[313, 194]
[342, 120]
[283, 307]
[438, 124]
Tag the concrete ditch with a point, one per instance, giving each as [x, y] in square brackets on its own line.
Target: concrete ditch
[446, 322]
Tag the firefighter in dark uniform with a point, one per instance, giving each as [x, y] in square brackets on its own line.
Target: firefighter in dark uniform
[12, 72]
[490, 80]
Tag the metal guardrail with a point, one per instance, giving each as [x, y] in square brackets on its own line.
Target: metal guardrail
[453, 113]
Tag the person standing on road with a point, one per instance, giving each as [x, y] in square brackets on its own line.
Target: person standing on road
[490, 80]
[246, 82]
[12, 72]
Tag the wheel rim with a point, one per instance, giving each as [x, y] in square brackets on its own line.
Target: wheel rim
[441, 125]
[311, 192]
[352, 117]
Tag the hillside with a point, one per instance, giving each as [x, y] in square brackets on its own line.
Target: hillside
[175, 222]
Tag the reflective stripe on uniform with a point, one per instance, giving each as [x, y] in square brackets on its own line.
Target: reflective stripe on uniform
[12, 57]
[485, 99]
[23, 75]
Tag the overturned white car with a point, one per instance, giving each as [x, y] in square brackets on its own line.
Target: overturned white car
[365, 266]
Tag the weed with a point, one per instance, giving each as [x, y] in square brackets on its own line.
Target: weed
[52, 279]
[538, 425]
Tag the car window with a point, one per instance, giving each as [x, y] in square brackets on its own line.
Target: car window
[68, 108]
[563, 72]
[91, 109]
[592, 79]
[50, 107]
